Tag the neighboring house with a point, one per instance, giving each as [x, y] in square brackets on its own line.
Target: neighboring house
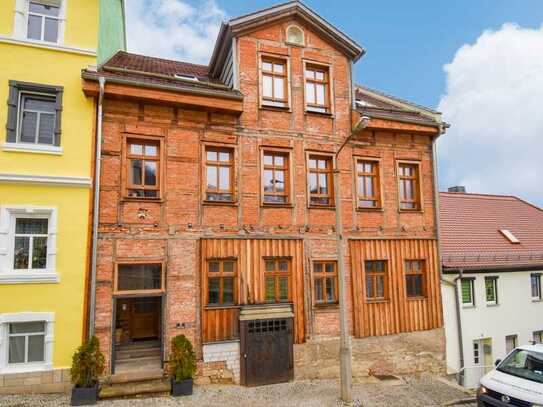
[45, 183]
[492, 253]
[218, 203]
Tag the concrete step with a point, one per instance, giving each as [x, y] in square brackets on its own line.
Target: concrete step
[138, 345]
[136, 353]
[138, 365]
[137, 376]
[131, 389]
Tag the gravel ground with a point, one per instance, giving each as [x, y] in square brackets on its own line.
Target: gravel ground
[407, 393]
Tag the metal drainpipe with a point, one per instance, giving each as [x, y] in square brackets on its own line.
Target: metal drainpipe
[96, 205]
[454, 285]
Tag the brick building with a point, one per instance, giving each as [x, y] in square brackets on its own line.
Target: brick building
[217, 203]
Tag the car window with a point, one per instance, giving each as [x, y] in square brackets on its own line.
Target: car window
[524, 363]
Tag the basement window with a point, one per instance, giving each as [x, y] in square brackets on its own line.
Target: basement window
[509, 235]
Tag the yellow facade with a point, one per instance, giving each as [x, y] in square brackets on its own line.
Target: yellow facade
[59, 180]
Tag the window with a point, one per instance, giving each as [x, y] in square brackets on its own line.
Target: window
[536, 286]
[408, 178]
[367, 173]
[325, 283]
[491, 290]
[275, 177]
[510, 343]
[221, 282]
[320, 180]
[143, 162]
[274, 82]
[538, 336]
[467, 291]
[276, 280]
[476, 353]
[295, 35]
[376, 279]
[139, 277]
[26, 342]
[34, 115]
[509, 236]
[30, 243]
[317, 89]
[43, 21]
[414, 278]
[219, 174]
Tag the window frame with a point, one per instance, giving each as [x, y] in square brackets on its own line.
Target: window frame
[302, 44]
[31, 237]
[128, 262]
[418, 201]
[286, 153]
[536, 334]
[328, 82]
[127, 157]
[535, 277]
[515, 342]
[494, 279]
[331, 195]
[221, 274]
[374, 276]
[424, 275]
[377, 183]
[324, 275]
[59, 4]
[471, 281]
[273, 103]
[276, 274]
[233, 173]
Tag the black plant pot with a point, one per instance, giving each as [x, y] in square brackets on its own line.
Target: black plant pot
[85, 396]
[182, 388]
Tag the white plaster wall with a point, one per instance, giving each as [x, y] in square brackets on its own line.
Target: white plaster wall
[224, 351]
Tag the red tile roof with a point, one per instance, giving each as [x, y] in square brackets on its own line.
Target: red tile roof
[471, 237]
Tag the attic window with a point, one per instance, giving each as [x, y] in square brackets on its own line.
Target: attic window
[186, 77]
[510, 236]
[295, 35]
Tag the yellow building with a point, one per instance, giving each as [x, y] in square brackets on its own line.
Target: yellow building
[46, 155]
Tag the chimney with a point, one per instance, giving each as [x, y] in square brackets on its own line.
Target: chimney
[458, 188]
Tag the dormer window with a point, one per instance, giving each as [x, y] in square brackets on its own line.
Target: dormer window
[43, 21]
[186, 77]
[295, 35]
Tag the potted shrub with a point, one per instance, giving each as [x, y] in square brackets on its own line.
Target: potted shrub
[87, 365]
[182, 366]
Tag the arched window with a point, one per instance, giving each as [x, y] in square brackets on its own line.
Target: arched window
[295, 35]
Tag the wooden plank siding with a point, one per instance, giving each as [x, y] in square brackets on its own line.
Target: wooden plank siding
[397, 313]
[221, 323]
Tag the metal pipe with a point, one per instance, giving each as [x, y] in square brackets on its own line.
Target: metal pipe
[454, 285]
[96, 204]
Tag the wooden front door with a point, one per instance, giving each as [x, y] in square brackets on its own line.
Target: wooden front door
[144, 318]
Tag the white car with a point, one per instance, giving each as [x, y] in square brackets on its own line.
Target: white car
[516, 381]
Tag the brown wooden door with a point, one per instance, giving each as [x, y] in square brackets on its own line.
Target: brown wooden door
[145, 318]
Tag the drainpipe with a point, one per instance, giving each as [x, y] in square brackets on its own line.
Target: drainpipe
[96, 204]
[454, 284]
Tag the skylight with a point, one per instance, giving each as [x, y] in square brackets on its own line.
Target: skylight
[186, 76]
[363, 103]
[510, 236]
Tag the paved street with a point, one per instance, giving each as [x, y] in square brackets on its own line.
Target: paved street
[412, 393]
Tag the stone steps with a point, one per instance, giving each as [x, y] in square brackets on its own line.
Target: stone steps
[155, 387]
[133, 377]
[131, 353]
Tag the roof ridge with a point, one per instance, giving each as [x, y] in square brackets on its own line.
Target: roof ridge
[388, 95]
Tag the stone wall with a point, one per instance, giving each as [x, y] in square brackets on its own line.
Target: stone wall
[51, 381]
[227, 352]
[403, 354]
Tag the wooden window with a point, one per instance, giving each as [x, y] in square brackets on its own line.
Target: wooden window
[409, 187]
[274, 82]
[414, 278]
[221, 281]
[139, 278]
[219, 174]
[317, 89]
[275, 177]
[467, 291]
[535, 280]
[491, 290]
[143, 165]
[320, 180]
[277, 280]
[325, 282]
[376, 280]
[368, 184]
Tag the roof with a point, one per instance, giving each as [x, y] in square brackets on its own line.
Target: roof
[470, 232]
[377, 104]
[141, 70]
[251, 21]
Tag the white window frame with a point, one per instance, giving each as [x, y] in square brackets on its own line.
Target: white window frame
[495, 281]
[21, 110]
[21, 20]
[12, 318]
[472, 287]
[537, 336]
[9, 275]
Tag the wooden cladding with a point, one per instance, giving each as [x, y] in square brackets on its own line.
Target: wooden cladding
[221, 322]
[396, 312]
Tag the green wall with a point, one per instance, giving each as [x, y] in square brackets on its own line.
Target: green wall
[112, 34]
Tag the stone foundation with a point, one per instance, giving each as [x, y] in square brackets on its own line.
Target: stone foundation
[220, 363]
[402, 354]
[51, 381]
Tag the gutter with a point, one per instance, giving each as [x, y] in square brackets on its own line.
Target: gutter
[96, 204]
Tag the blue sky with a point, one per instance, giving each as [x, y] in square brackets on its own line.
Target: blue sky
[454, 55]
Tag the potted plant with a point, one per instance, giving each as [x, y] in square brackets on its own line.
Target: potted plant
[87, 365]
[182, 366]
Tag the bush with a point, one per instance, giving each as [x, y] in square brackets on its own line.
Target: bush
[87, 364]
[182, 359]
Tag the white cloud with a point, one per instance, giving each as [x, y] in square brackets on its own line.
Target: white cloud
[494, 102]
[173, 29]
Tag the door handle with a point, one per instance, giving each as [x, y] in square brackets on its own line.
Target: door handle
[245, 355]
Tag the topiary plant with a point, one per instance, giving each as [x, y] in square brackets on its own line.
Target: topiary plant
[182, 359]
[87, 364]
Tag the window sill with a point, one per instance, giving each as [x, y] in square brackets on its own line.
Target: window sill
[285, 109]
[416, 298]
[324, 114]
[29, 277]
[467, 306]
[47, 45]
[32, 148]
[221, 306]
[271, 205]
[328, 207]
[138, 199]
[26, 368]
[492, 304]
[331, 306]
[537, 300]
[385, 301]
[380, 209]
[219, 203]
[410, 211]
